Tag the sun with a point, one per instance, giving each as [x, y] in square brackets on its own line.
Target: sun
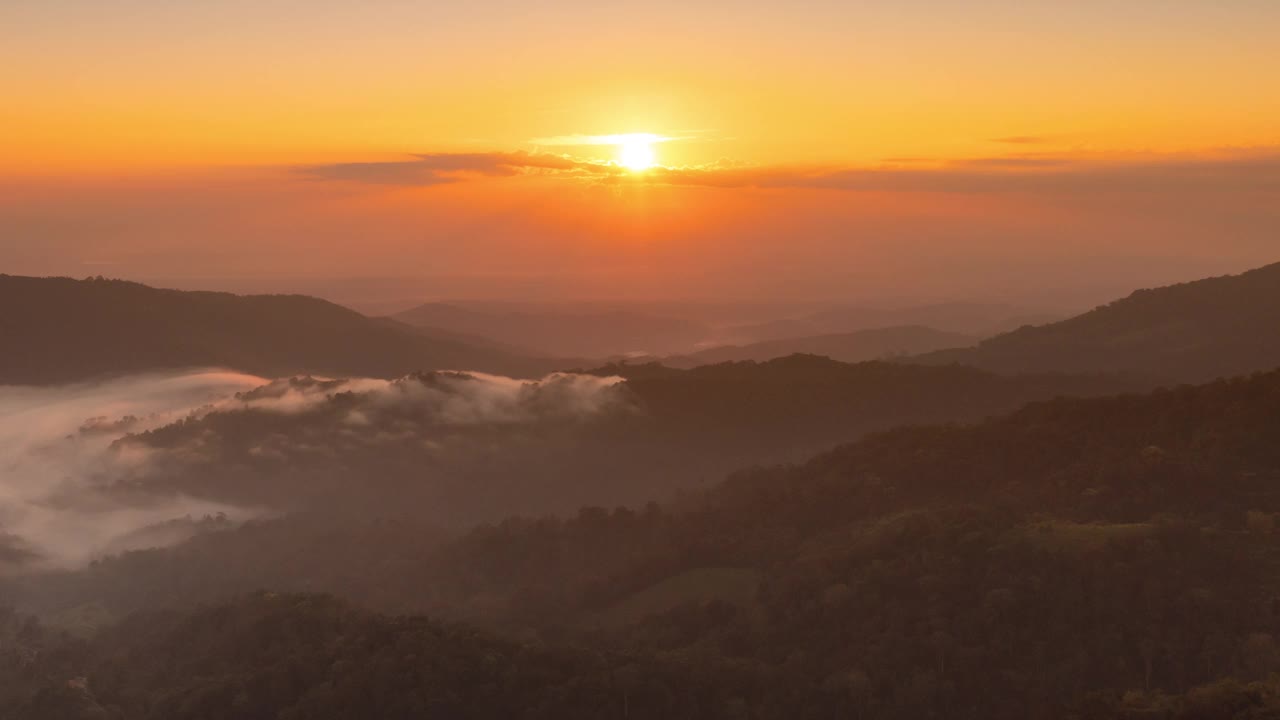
[635, 152]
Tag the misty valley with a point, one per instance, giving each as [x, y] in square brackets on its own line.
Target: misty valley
[578, 360]
[245, 518]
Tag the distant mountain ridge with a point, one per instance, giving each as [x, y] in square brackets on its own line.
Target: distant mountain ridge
[65, 330]
[859, 346]
[1190, 332]
[965, 318]
[597, 333]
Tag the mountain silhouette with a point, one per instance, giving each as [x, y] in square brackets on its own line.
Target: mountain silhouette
[62, 330]
[859, 346]
[966, 318]
[1188, 332]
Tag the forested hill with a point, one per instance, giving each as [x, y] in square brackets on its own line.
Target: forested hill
[60, 330]
[1094, 558]
[1200, 463]
[272, 655]
[660, 432]
[810, 389]
[1192, 332]
[305, 656]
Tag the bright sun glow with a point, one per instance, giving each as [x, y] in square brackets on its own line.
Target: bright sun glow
[635, 152]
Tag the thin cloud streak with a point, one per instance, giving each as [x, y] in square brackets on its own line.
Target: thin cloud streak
[1257, 171]
[426, 169]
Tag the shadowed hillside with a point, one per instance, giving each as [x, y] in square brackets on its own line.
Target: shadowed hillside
[1110, 557]
[1189, 332]
[137, 451]
[305, 656]
[466, 448]
[62, 330]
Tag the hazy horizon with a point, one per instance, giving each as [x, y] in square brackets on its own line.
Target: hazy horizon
[1041, 154]
[388, 295]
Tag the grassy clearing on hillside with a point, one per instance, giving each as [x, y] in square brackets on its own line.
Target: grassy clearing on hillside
[731, 585]
[82, 621]
[1081, 537]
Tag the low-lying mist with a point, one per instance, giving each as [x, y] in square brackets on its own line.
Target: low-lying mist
[59, 470]
[143, 461]
[151, 459]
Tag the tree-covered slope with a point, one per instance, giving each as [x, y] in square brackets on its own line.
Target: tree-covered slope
[1194, 332]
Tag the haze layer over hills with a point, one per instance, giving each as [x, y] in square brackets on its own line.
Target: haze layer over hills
[587, 333]
[630, 538]
[694, 333]
[934, 553]
[458, 447]
[876, 344]
[963, 318]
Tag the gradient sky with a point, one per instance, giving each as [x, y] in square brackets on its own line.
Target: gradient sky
[836, 150]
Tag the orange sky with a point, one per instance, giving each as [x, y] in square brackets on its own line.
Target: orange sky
[842, 143]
